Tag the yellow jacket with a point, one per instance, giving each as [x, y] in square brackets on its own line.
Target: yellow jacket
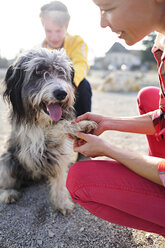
[77, 50]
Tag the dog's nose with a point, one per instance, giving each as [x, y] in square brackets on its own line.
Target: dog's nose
[60, 94]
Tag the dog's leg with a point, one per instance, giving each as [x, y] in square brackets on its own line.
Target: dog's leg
[59, 194]
[9, 182]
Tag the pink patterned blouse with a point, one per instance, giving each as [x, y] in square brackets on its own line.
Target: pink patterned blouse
[158, 116]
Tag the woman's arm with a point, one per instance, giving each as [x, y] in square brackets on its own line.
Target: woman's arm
[93, 146]
[144, 166]
[137, 124]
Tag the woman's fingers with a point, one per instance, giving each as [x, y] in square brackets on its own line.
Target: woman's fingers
[81, 118]
[81, 139]
[82, 136]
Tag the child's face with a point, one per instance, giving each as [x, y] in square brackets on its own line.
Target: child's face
[132, 20]
[55, 34]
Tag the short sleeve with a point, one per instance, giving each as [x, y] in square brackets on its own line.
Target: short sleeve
[158, 119]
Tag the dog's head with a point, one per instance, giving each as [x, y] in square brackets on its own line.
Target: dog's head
[39, 86]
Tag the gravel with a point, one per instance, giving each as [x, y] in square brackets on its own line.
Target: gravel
[31, 223]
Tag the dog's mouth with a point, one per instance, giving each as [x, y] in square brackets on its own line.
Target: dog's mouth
[54, 110]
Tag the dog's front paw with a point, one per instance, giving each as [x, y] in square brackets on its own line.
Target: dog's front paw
[87, 126]
[66, 207]
[9, 195]
[84, 126]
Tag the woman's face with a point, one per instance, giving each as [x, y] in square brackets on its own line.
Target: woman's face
[55, 34]
[132, 20]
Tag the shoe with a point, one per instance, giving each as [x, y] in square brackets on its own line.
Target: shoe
[81, 157]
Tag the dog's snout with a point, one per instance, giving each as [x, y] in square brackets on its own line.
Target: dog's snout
[60, 94]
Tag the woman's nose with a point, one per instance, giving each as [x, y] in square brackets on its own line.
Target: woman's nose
[104, 22]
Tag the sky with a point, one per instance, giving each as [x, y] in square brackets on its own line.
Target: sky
[20, 26]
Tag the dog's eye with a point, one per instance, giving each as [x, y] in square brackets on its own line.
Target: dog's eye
[41, 69]
[39, 73]
[62, 73]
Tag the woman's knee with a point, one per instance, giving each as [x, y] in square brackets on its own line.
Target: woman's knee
[148, 99]
[75, 177]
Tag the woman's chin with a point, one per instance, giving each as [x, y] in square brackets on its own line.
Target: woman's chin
[130, 42]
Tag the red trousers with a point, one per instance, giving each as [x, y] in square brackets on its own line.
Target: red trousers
[114, 193]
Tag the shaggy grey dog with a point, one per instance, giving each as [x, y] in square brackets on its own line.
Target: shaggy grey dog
[38, 87]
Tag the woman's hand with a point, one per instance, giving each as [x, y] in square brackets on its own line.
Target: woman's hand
[99, 119]
[142, 124]
[90, 145]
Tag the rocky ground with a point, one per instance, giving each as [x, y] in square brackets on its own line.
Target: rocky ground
[31, 223]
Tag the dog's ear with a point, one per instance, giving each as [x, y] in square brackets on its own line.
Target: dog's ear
[9, 73]
[13, 82]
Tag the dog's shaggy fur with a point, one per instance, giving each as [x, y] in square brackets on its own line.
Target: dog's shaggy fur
[38, 87]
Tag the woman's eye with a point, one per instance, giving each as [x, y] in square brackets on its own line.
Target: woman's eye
[105, 11]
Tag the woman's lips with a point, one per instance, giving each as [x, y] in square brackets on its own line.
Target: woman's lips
[120, 34]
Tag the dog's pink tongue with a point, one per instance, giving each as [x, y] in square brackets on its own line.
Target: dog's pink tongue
[55, 111]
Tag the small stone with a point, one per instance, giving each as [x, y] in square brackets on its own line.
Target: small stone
[51, 234]
[82, 229]
[39, 242]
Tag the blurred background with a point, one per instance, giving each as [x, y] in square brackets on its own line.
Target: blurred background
[21, 29]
